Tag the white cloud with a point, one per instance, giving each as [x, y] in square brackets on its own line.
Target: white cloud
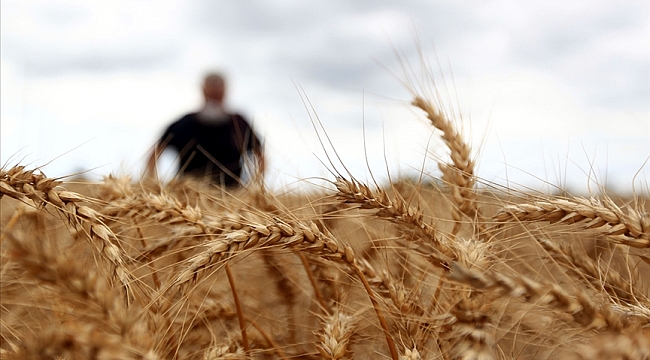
[51, 37]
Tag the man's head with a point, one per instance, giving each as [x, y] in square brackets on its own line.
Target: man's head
[214, 88]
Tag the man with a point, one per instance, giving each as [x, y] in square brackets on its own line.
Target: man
[211, 143]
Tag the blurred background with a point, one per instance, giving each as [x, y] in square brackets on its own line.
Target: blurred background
[552, 93]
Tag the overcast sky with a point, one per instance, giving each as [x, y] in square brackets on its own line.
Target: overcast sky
[555, 91]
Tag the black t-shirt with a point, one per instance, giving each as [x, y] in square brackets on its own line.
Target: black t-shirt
[211, 149]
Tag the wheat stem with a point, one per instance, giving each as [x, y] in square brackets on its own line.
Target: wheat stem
[240, 313]
[310, 275]
[382, 321]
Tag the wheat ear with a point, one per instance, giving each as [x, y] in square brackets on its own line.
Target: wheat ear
[279, 233]
[583, 310]
[631, 229]
[459, 174]
[335, 335]
[25, 185]
[472, 338]
[394, 210]
[593, 272]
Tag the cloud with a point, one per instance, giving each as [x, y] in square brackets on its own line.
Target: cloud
[51, 38]
[595, 46]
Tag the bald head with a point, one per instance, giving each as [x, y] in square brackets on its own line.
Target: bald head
[214, 88]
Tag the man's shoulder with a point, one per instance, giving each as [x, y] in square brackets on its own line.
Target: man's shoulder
[184, 121]
[239, 119]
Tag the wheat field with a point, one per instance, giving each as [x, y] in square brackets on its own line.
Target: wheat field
[433, 269]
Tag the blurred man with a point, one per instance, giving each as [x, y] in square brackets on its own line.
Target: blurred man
[212, 143]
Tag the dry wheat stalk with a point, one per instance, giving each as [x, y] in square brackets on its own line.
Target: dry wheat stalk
[278, 234]
[402, 299]
[240, 312]
[595, 273]
[411, 320]
[328, 283]
[459, 174]
[469, 252]
[285, 288]
[584, 311]
[632, 229]
[202, 226]
[22, 185]
[396, 210]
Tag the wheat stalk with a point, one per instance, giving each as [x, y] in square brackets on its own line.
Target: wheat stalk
[22, 185]
[459, 174]
[595, 273]
[631, 229]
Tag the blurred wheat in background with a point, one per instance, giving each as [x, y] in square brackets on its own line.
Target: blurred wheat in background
[429, 269]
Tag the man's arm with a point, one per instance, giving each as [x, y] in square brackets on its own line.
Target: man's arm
[160, 146]
[250, 144]
[151, 170]
[261, 165]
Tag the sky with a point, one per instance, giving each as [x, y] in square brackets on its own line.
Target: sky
[553, 93]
